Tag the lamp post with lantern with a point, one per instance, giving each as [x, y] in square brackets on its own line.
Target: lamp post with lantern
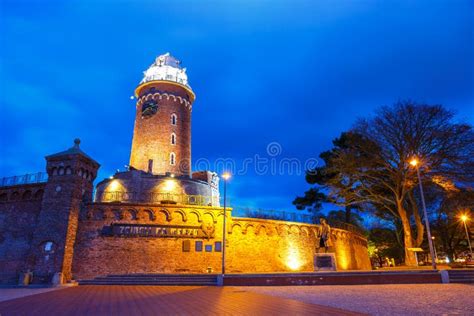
[464, 219]
[414, 162]
[434, 246]
[226, 176]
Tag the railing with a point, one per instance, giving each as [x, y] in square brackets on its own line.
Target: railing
[156, 198]
[293, 217]
[276, 215]
[202, 200]
[38, 177]
[348, 227]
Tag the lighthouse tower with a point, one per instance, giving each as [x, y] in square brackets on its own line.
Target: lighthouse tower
[162, 133]
[160, 159]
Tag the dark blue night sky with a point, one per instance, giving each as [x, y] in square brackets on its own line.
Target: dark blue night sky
[297, 73]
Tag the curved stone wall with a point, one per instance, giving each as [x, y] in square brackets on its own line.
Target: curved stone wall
[253, 245]
[274, 246]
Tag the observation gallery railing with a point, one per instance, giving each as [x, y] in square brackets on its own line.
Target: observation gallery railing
[298, 217]
[156, 198]
[29, 178]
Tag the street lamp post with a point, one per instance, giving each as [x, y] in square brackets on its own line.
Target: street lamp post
[414, 163]
[434, 247]
[464, 219]
[225, 176]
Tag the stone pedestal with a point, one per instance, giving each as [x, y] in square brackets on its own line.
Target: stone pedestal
[324, 262]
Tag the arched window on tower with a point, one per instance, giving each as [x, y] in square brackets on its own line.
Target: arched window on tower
[48, 246]
[173, 139]
[172, 159]
[174, 119]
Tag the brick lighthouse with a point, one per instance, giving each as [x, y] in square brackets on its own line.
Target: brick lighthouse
[160, 159]
[162, 133]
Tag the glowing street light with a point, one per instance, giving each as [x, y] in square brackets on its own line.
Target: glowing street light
[226, 176]
[464, 219]
[415, 162]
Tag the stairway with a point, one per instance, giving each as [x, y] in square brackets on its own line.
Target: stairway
[461, 275]
[153, 279]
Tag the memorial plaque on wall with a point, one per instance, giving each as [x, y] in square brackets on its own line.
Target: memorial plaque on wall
[175, 231]
[324, 262]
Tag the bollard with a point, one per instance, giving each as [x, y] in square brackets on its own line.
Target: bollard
[220, 280]
[444, 276]
[24, 279]
[57, 279]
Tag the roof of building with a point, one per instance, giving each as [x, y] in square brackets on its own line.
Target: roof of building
[74, 150]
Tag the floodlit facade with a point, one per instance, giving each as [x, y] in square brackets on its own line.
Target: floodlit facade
[158, 216]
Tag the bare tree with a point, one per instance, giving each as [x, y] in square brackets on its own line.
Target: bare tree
[373, 166]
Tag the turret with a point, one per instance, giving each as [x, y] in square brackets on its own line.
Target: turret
[69, 188]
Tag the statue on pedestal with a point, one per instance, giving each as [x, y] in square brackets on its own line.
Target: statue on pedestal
[324, 236]
[324, 261]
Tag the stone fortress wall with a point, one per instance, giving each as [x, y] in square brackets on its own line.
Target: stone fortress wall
[262, 245]
[253, 245]
[20, 206]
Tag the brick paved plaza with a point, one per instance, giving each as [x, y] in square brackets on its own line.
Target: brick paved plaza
[153, 300]
[409, 299]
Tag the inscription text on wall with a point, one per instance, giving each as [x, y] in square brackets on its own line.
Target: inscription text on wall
[175, 231]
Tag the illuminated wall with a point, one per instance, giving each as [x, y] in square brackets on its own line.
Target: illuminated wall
[260, 245]
[254, 245]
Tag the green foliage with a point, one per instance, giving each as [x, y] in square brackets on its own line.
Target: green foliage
[340, 216]
[312, 200]
[384, 243]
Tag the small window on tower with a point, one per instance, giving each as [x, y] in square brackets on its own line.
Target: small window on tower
[174, 118]
[173, 139]
[172, 159]
[48, 246]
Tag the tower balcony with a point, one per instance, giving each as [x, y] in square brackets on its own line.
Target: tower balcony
[135, 186]
[155, 198]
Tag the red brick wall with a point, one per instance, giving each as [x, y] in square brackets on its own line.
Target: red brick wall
[19, 209]
[261, 245]
[98, 254]
[152, 135]
[253, 245]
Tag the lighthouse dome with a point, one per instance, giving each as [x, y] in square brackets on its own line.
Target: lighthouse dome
[167, 68]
